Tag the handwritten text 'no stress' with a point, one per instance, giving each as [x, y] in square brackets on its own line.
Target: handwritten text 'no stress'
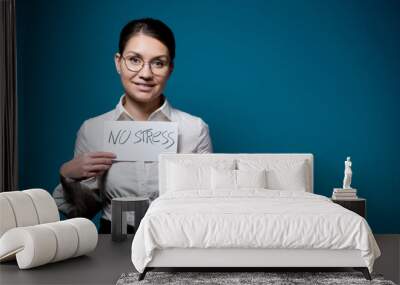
[146, 136]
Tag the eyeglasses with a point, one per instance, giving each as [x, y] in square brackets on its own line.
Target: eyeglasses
[157, 66]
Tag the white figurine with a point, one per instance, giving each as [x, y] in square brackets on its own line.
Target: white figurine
[348, 173]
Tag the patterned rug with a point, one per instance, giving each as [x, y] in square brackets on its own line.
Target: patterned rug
[244, 278]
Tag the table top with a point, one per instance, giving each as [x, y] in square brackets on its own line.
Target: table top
[130, 198]
[104, 265]
[348, 200]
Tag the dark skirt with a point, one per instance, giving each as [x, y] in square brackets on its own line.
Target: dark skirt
[105, 227]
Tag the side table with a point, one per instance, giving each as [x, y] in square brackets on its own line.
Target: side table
[119, 207]
[357, 205]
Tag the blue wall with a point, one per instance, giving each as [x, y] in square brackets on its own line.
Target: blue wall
[270, 76]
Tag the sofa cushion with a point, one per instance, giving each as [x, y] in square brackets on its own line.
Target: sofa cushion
[37, 245]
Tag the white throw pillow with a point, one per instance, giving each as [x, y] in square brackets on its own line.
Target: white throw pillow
[251, 178]
[223, 179]
[282, 174]
[185, 177]
[193, 174]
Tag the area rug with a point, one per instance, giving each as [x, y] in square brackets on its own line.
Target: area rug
[244, 278]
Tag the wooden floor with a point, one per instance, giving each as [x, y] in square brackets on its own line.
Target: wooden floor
[110, 260]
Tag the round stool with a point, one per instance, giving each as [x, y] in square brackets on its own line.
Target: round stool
[119, 207]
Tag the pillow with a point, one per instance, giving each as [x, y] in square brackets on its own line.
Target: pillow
[223, 179]
[282, 174]
[189, 174]
[185, 177]
[237, 179]
[251, 178]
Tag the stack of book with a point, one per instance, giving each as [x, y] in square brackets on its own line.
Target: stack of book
[344, 194]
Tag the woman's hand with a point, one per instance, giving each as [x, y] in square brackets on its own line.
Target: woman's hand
[87, 165]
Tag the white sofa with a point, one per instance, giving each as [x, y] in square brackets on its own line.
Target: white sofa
[31, 231]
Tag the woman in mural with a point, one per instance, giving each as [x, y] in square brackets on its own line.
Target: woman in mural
[91, 179]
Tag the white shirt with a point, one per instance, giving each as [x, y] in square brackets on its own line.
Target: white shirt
[135, 178]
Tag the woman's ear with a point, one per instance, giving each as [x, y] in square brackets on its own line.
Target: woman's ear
[117, 61]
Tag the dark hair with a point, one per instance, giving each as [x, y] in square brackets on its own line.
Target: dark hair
[150, 27]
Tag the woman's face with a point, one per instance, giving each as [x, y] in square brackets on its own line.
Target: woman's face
[144, 68]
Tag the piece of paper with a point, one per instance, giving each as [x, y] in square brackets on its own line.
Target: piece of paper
[140, 141]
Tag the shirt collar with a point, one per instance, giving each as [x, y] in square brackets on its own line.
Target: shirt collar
[122, 115]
